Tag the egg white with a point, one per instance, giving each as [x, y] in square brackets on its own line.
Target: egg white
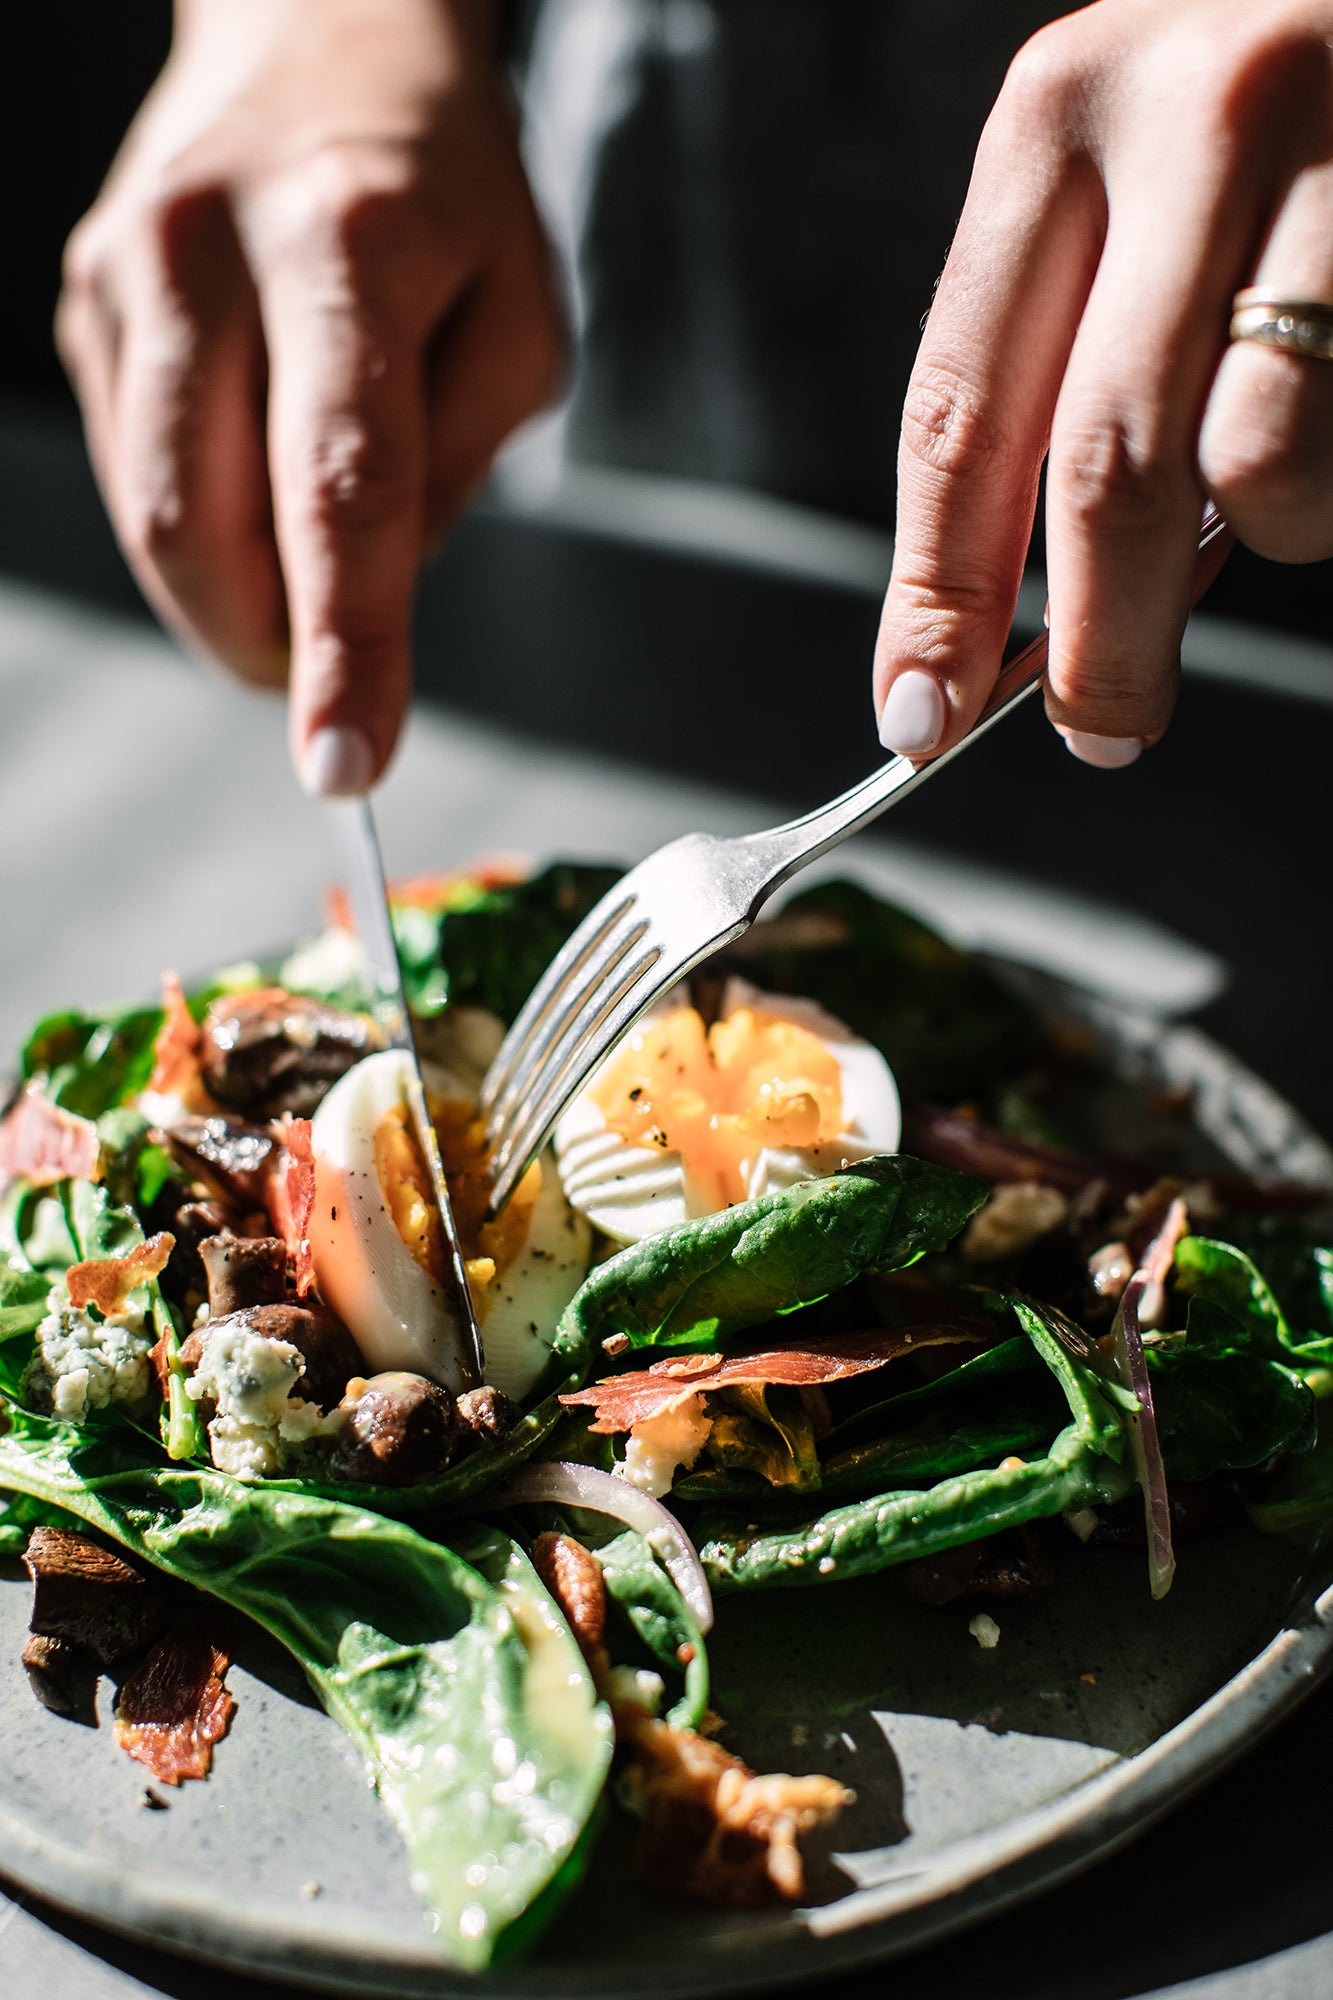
[393, 1309]
[629, 1191]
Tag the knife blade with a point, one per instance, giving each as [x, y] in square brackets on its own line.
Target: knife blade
[358, 840]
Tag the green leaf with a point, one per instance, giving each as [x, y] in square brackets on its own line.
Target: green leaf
[20, 1514]
[1298, 1500]
[23, 1294]
[91, 1062]
[1220, 1405]
[1082, 1467]
[493, 953]
[653, 1610]
[456, 1678]
[699, 1283]
[1227, 1276]
[946, 1024]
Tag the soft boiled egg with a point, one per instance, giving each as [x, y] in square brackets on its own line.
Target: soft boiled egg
[683, 1120]
[375, 1236]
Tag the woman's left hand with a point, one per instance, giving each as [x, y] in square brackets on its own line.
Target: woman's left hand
[1143, 163]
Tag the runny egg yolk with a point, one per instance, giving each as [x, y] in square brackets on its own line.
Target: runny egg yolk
[488, 1247]
[717, 1095]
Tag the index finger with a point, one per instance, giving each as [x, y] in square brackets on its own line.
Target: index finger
[347, 463]
[979, 407]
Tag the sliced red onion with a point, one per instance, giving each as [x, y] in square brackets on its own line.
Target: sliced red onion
[566, 1484]
[1144, 1442]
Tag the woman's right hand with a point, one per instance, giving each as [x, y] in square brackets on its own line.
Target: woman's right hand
[309, 304]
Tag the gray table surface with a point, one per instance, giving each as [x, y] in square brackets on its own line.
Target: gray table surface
[148, 819]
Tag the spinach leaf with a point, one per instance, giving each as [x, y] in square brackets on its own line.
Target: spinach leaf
[454, 1675]
[23, 1294]
[19, 1515]
[703, 1281]
[946, 1024]
[1298, 1500]
[1082, 1467]
[92, 1062]
[1220, 1405]
[1228, 1277]
[653, 1610]
[492, 953]
[940, 1443]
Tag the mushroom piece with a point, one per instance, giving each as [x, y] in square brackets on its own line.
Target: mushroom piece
[400, 1429]
[91, 1597]
[273, 1051]
[330, 1356]
[232, 1158]
[489, 1414]
[63, 1676]
[243, 1271]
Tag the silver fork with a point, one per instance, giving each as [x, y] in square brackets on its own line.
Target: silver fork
[667, 915]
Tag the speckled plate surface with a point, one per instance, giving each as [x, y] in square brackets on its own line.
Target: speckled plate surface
[981, 1776]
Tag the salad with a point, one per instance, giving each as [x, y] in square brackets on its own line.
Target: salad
[827, 1272]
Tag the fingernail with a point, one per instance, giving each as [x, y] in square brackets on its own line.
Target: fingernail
[911, 721]
[336, 763]
[1108, 753]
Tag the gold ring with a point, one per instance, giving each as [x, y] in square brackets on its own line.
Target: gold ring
[1297, 326]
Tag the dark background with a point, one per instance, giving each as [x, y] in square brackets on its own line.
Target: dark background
[795, 153]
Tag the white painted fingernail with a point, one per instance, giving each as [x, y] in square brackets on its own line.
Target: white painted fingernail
[913, 716]
[1108, 753]
[336, 763]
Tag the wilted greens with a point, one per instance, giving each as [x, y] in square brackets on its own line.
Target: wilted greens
[415, 1610]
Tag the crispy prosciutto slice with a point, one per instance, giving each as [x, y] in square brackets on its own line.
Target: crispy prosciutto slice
[42, 1144]
[106, 1282]
[176, 1051]
[621, 1401]
[291, 1198]
[174, 1708]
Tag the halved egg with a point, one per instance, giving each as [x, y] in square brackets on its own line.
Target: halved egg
[376, 1238]
[683, 1120]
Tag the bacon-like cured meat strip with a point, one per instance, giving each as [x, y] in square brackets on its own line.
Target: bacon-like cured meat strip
[621, 1401]
[177, 1048]
[174, 1708]
[42, 1144]
[106, 1282]
[291, 1198]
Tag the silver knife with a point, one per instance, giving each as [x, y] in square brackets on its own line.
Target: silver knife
[355, 825]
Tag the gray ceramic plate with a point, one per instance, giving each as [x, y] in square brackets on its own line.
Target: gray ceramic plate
[981, 1776]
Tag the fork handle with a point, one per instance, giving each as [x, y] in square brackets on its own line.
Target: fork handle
[782, 850]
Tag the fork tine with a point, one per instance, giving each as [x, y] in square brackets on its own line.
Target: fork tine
[576, 995]
[602, 1021]
[567, 964]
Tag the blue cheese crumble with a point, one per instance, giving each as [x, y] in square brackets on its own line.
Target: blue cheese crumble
[258, 1424]
[81, 1363]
